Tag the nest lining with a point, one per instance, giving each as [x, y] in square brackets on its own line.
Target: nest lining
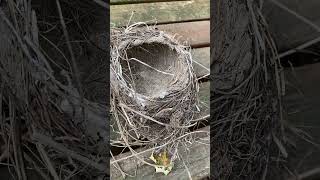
[158, 68]
[153, 86]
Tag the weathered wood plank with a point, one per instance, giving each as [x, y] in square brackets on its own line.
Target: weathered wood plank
[198, 163]
[196, 33]
[204, 101]
[117, 2]
[204, 98]
[288, 31]
[162, 12]
[201, 58]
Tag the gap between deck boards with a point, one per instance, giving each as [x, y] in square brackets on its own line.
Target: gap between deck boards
[162, 12]
[288, 34]
[121, 2]
[197, 163]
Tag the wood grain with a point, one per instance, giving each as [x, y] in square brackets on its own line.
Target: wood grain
[201, 61]
[162, 12]
[117, 2]
[196, 33]
[198, 163]
[204, 99]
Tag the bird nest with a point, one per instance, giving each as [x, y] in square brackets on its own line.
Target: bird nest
[50, 124]
[153, 87]
[247, 116]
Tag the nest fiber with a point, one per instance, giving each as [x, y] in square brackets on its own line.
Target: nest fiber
[247, 131]
[153, 86]
[51, 127]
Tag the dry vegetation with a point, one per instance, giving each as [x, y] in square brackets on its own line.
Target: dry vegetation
[153, 90]
[247, 129]
[53, 89]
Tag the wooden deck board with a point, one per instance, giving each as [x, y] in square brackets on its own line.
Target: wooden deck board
[162, 12]
[197, 163]
[196, 33]
[117, 2]
[201, 56]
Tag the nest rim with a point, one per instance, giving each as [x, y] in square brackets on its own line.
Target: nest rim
[181, 103]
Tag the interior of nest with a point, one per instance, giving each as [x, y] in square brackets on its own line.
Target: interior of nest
[151, 68]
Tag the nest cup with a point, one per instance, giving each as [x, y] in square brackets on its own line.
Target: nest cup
[153, 85]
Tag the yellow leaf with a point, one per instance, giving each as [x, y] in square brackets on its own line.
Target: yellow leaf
[163, 162]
